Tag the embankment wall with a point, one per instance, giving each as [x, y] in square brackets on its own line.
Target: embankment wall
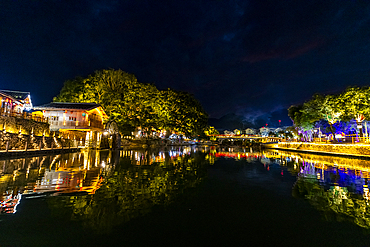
[350, 149]
[26, 126]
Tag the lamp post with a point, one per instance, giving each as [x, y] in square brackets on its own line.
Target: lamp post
[359, 127]
[366, 134]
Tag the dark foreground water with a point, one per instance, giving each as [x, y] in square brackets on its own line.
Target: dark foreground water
[184, 197]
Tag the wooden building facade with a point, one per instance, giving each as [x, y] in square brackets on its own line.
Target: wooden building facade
[76, 118]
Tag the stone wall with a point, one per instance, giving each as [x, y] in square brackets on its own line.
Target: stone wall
[18, 142]
[355, 149]
[13, 125]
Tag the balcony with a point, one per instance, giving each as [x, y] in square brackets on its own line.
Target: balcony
[24, 115]
[76, 125]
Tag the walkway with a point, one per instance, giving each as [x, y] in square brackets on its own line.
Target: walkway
[319, 152]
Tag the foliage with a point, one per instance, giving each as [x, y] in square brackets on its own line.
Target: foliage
[300, 117]
[356, 102]
[303, 120]
[133, 104]
[130, 191]
[335, 203]
[353, 103]
[181, 112]
[211, 132]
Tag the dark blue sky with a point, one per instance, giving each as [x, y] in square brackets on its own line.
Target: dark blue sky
[245, 57]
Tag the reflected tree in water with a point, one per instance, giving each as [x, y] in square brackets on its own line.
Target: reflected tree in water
[131, 191]
[337, 203]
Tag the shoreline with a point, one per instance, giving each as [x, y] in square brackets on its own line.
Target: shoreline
[318, 152]
[36, 152]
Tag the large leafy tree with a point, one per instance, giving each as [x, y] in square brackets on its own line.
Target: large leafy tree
[351, 105]
[72, 91]
[355, 102]
[181, 112]
[331, 111]
[133, 104]
[303, 119]
[319, 107]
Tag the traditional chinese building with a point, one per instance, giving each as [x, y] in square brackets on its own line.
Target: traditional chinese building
[264, 131]
[15, 101]
[75, 118]
[250, 131]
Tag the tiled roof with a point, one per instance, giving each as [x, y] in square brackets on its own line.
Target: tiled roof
[17, 95]
[67, 105]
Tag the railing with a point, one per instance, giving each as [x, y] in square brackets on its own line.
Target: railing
[77, 125]
[348, 139]
[25, 115]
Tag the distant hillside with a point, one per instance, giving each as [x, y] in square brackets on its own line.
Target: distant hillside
[229, 122]
[233, 121]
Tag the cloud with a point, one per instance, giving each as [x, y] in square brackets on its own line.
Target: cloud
[288, 51]
[231, 54]
[285, 29]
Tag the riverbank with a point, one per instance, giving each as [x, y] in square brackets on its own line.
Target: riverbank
[129, 145]
[152, 143]
[355, 150]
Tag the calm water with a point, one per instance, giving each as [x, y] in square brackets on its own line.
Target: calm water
[185, 197]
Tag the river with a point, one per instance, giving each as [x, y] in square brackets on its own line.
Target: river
[185, 196]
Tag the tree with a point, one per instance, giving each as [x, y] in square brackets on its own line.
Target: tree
[331, 111]
[181, 112]
[137, 105]
[324, 107]
[211, 132]
[327, 107]
[71, 91]
[355, 102]
[303, 120]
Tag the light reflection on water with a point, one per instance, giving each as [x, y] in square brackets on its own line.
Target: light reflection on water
[104, 189]
[337, 186]
[101, 188]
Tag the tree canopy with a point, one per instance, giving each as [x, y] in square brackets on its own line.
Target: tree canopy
[353, 103]
[133, 104]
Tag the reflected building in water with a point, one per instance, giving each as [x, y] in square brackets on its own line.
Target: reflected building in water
[148, 157]
[69, 173]
[128, 183]
[79, 172]
[73, 172]
[336, 185]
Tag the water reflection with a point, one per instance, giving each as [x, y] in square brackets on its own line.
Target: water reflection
[337, 186]
[102, 189]
[140, 181]
[50, 175]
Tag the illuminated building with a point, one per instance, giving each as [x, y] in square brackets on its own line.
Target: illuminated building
[9, 203]
[15, 101]
[264, 131]
[250, 131]
[75, 118]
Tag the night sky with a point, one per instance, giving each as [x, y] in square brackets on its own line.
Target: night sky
[252, 58]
